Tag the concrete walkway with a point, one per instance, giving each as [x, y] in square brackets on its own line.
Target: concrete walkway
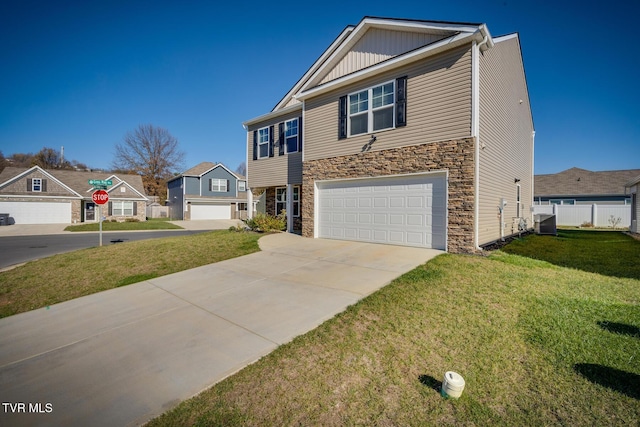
[124, 356]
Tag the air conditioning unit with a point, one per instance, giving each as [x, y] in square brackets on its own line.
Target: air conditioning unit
[545, 224]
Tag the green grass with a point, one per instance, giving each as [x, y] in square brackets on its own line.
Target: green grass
[151, 224]
[537, 344]
[611, 253]
[97, 269]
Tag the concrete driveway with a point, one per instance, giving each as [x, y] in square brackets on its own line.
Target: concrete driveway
[124, 356]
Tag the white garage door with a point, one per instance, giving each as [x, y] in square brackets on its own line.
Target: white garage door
[210, 212]
[409, 210]
[38, 212]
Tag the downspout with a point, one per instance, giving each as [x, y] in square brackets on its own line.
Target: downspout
[250, 206]
[475, 112]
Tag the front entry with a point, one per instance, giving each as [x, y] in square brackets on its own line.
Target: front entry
[89, 212]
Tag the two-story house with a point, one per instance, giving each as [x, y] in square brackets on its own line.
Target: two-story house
[403, 132]
[207, 191]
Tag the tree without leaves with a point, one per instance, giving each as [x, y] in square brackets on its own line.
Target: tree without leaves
[242, 169]
[151, 152]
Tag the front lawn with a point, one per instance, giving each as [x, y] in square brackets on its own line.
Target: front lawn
[150, 224]
[537, 344]
[71, 275]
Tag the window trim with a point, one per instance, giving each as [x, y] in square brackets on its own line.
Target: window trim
[371, 109]
[119, 205]
[38, 185]
[267, 131]
[219, 181]
[284, 199]
[242, 185]
[296, 136]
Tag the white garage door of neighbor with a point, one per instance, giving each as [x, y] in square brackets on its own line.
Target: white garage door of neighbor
[38, 212]
[409, 210]
[210, 212]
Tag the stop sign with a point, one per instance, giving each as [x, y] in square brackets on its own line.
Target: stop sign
[100, 197]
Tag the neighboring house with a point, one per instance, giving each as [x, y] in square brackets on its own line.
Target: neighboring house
[207, 191]
[43, 196]
[577, 186]
[403, 132]
[633, 189]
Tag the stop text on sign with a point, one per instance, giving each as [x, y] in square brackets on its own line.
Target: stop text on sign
[100, 197]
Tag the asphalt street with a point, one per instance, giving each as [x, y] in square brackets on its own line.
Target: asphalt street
[20, 249]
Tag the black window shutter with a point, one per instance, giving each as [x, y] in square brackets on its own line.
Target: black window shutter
[300, 133]
[227, 185]
[110, 208]
[401, 101]
[281, 139]
[210, 184]
[44, 185]
[29, 184]
[342, 118]
[271, 141]
[255, 145]
[135, 208]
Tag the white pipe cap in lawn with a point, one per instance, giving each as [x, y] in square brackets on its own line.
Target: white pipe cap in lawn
[452, 385]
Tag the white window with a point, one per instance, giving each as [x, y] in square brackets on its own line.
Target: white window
[263, 143]
[122, 208]
[372, 109]
[291, 136]
[36, 184]
[219, 185]
[242, 186]
[281, 200]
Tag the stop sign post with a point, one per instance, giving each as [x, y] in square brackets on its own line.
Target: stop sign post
[100, 197]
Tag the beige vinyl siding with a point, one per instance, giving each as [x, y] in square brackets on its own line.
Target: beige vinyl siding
[276, 170]
[506, 133]
[378, 45]
[438, 108]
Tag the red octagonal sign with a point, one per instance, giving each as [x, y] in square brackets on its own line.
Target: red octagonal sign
[100, 197]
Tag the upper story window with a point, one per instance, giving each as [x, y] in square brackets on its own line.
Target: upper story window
[242, 185]
[291, 136]
[372, 109]
[36, 184]
[376, 108]
[219, 185]
[263, 143]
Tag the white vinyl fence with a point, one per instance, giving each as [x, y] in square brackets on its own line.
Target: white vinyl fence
[598, 215]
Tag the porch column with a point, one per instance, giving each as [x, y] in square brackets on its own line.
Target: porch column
[250, 206]
[290, 208]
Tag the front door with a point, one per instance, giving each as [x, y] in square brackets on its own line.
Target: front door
[89, 211]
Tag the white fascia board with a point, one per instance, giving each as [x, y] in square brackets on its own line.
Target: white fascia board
[399, 61]
[272, 115]
[312, 70]
[505, 38]
[124, 183]
[38, 196]
[400, 24]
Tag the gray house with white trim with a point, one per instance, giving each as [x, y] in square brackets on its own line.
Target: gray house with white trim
[207, 191]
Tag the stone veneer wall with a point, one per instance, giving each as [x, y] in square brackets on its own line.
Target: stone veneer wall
[456, 156]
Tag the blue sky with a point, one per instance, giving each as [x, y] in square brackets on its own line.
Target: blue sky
[80, 74]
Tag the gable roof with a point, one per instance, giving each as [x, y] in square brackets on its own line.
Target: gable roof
[205, 167]
[579, 182]
[328, 73]
[76, 182]
[442, 36]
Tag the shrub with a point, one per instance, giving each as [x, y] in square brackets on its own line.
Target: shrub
[266, 223]
[586, 224]
[131, 220]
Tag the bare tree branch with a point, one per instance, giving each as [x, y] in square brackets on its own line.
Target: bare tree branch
[151, 152]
